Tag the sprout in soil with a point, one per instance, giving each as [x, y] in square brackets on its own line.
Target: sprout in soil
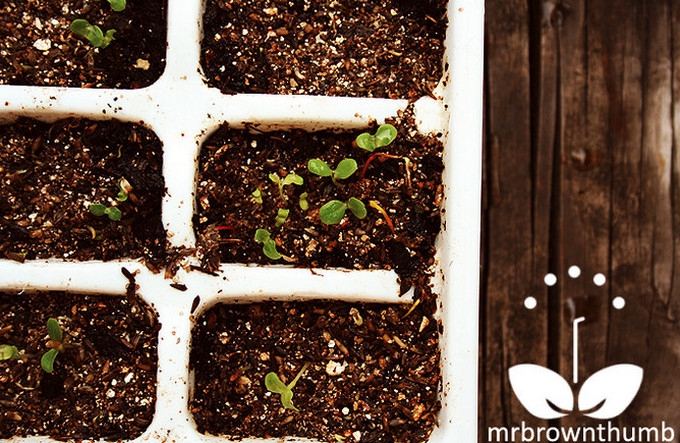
[304, 204]
[383, 136]
[124, 190]
[56, 344]
[281, 217]
[112, 212]
[287, 180]
[345, 169]
[93, 33]
[117, 5]
[274, 384]
[332, 212]
[257, 196]
[268, 244]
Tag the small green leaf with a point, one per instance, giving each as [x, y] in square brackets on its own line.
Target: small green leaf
[53, 329]
[366, 141]
[319, 167]
[357, 207]
[270, 251]
[113, 213]
[108, 38]
[262, 235]
[304, 204]
[117, 5]
[274, 384]
[93, 33]
[8, 352]
[47, 360]
[274, 177]
[293, 179]
[345, 168]
[98, 209]
[332, 212]
[281, 217]
[385, 135]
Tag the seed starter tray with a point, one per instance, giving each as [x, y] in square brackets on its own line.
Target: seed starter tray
[183, 112]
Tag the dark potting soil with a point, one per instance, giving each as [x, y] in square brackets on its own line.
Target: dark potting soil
[51, 173]
[104, 382]
[387, 49]
[373, 371]
[38, 48]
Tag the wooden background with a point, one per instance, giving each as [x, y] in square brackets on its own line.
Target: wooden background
[582, 130]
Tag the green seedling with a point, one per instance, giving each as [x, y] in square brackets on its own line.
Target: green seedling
[345, 169]
[274, 384]
[93, 33]
[56, 344]
[281, 217]
[332, 212]
[383, 136]
[268, 244]
[256, 196]
[112, 212]
[304, 204]
[8, 352]
[117, 5]
[290, 179]
[124, 190]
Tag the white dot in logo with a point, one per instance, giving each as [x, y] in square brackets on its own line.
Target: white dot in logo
[550, 279]
[574, 271]
[599, 279]
[530, 302]
[618, 302]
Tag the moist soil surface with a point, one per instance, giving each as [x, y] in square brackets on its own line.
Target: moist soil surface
[52, 172]
[104, 382]
[373, 371]
[386, 49]
[37, 47]
[402, 198]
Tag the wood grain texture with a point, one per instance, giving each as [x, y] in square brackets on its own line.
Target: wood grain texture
[582, 168]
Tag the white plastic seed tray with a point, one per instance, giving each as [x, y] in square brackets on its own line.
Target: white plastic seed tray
[183, 111]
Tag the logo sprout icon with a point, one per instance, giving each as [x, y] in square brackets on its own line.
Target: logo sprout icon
[603, 395]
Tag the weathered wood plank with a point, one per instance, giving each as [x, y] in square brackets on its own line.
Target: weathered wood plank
[591, 87]
[508, 246]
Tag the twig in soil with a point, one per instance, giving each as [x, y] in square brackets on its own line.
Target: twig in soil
[382, 155]
[375, 205]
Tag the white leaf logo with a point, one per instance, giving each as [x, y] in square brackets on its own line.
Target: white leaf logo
[609, 391]
[540, 390]
[604, 395]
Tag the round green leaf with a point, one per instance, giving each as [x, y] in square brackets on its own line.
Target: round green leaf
[262, 235]
[53, 329]
[319, 167]
[366, 141]
[97, 209]
[346, 168]
[385, 135]
[332, 212]
[357, 207]
[274, 384]
[47, 360]
[270, 251]
[114, 213]
[8, 351]
[117, 5]
[91, 32]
